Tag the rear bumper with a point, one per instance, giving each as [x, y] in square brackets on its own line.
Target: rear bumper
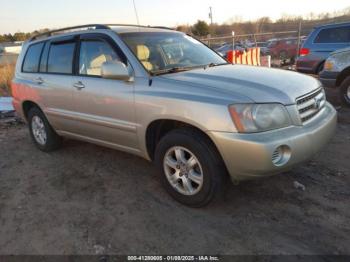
[18, 108]
[308, 64]
[249, 156]
[328, 79]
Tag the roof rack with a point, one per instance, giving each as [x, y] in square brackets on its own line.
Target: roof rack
[162, 27]
[143, 26]
[50, 33]
[90, 26]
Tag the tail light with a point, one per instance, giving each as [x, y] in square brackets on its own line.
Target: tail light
[304, 51]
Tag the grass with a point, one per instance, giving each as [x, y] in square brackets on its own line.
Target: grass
[6, 75]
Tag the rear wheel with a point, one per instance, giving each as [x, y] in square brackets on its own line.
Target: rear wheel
[41, 132]
[283, 55]
[344, 92]
[190, 168]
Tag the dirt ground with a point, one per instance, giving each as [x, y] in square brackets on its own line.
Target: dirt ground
[85, 199]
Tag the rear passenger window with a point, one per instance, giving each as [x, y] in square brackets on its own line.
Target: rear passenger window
[61, 58]
[32, 58]
[334, 35]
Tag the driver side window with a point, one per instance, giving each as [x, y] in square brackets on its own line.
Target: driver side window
[93, 53]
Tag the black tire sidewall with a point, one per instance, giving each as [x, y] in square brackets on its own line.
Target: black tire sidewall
[52, 139]
[283, 55]
[211, 171]
[343, 90]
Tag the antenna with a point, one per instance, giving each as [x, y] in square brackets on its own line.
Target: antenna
[137, 16]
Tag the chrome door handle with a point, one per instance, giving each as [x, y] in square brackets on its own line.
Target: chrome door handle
[79, 85]
[39, 81]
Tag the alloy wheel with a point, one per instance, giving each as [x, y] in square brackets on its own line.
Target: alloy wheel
[183, 170]
[39, 131]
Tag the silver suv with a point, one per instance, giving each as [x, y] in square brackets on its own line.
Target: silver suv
[166, 97]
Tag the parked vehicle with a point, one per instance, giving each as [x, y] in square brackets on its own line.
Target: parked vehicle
[166, 97]
[283, 49]
[264, 50]
[322, 41]
[12, 47]
[336, 73]
[228, 47]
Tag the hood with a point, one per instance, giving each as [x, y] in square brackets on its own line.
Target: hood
[260, 84]
[347, 49]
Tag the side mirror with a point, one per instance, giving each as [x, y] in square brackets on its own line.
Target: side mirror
[115, 70]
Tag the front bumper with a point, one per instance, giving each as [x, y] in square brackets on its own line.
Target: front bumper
[249, 156]
[328, 79]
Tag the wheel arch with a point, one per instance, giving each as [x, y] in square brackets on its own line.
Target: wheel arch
[27, 105]
[341, 77]
[160, 127]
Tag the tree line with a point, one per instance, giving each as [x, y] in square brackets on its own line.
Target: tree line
[19, 36]
[236, 24]
[265, 24]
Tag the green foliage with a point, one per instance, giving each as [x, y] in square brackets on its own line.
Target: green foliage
[201, 28]
[19, 36]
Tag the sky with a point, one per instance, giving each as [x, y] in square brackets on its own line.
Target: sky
[30, 15]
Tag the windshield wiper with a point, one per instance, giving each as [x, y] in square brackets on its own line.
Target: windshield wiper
[184, 68]
[215, 64]
[173, 70]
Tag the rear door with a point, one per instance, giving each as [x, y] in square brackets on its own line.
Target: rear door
[104, 107]
[56, 78]
[30, 77]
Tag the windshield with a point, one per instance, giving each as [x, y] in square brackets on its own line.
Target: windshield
[159, 51]
[272, 44]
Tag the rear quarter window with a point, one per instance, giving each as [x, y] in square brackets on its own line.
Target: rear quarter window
[32, 58]
[61, 56]
[334, 35]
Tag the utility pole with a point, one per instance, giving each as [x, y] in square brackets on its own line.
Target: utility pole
[299, 36]
[211, 15]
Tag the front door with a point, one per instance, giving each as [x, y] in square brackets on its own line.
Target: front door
[104, 108]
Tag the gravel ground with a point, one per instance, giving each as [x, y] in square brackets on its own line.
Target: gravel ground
[85, 199]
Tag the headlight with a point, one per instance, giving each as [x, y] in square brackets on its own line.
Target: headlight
[337, 62]
[329, 65]
[250, 118]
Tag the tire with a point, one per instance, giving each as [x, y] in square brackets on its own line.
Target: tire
[292, 60]
[344, 92]
[210, 169]
[283, 55]
[41, 132]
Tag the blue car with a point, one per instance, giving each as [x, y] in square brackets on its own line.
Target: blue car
[320, 43]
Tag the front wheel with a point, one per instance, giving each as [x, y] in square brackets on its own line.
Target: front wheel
[190, 167]
[345, 92]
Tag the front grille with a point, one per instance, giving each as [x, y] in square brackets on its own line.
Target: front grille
[311, 104]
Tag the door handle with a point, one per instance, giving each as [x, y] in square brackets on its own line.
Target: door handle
[39, 81]
[79, 85]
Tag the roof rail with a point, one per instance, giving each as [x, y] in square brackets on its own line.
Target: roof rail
[143, 26]
[50, 33]
[89, 26]
[163, 27]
